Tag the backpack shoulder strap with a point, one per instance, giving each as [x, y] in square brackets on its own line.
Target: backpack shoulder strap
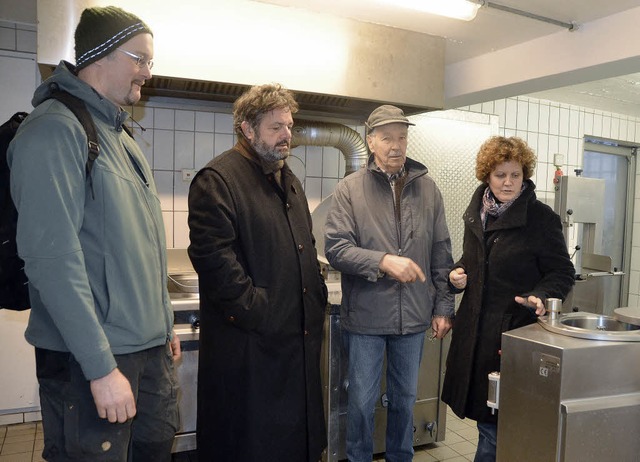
[79, 109]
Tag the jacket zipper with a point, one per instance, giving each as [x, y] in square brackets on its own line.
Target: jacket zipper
[399, 235]
[142, 181]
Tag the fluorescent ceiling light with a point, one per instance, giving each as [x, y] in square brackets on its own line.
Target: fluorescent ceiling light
[457, 9]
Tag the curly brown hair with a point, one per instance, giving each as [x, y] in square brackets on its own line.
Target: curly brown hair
[499, 149]
[257, 101]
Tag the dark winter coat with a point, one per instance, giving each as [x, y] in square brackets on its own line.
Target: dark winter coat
[524, 253]
[262, 306]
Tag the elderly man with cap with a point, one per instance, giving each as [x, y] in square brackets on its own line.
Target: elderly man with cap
[386, 233]
[94, 249]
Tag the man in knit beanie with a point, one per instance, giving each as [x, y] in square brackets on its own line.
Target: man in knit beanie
[93, 243]
[102, 30]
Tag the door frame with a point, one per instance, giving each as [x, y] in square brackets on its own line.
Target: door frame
[629, 151]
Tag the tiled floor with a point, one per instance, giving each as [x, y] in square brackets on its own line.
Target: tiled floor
[24, 442]
[21, 442]
[459, 445]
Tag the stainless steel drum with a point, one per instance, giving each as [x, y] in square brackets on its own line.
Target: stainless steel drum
[568, 397]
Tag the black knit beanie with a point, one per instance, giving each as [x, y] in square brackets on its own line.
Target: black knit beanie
[103, 29]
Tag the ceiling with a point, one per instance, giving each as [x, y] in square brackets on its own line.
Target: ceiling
[491, 30]
[494, 29]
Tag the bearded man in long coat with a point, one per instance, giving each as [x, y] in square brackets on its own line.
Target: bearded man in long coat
[262, 295]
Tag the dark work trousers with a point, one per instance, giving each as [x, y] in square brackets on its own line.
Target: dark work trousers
[73, 431]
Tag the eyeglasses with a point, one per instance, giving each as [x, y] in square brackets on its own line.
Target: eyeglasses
[141, 61]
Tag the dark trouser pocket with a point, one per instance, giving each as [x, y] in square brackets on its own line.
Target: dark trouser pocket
[73, 431]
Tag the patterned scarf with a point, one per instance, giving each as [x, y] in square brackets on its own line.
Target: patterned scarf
[491, 206]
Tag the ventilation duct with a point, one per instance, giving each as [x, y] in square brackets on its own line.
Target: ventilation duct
[341, 137]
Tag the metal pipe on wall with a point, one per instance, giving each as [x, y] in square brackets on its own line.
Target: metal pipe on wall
[343, 138]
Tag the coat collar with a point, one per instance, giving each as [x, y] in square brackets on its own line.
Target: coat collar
[414, 168]
[64, 78]
[514, 217]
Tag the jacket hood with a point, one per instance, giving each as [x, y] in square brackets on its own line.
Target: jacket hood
[64, 78]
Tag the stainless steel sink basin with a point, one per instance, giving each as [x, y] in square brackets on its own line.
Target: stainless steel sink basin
[592, 326]
[599, 323]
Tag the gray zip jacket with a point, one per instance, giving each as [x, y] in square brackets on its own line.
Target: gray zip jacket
[361, 228]
[96, 262]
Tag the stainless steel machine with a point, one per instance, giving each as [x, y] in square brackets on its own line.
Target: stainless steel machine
[580, 203]
[429, 413]
[570, 390]
[183, 290]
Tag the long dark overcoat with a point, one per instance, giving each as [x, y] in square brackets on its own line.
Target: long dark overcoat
[523, 253]
[262, 306]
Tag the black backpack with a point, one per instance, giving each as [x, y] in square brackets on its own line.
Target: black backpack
[14, 291]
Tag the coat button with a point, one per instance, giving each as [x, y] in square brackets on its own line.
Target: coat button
[300, 247]
[304, 290]
[288, 206]
[306, 332]
[232, 319]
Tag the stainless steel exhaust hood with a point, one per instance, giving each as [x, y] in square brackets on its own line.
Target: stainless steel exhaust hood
[215, 50]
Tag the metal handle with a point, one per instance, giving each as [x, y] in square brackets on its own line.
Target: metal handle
[554, 307]
[493, 398]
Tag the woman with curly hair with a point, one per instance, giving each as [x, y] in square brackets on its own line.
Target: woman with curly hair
[514, 257]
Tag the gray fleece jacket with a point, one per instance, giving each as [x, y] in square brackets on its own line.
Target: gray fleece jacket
[361, 228]
[96, 265]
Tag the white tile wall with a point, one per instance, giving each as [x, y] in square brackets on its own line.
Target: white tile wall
[550, 128]
[184, 153]
[205, 122]
[330, 162]
[222, 143]
[224, 123]
[7, 38]
[184, 139]
[17, 37]
[177, 139]
[313, 157]
[185, 120]
[204, 147]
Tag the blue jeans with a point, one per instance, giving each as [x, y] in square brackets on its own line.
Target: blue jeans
[487, 437]
[366, 355]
